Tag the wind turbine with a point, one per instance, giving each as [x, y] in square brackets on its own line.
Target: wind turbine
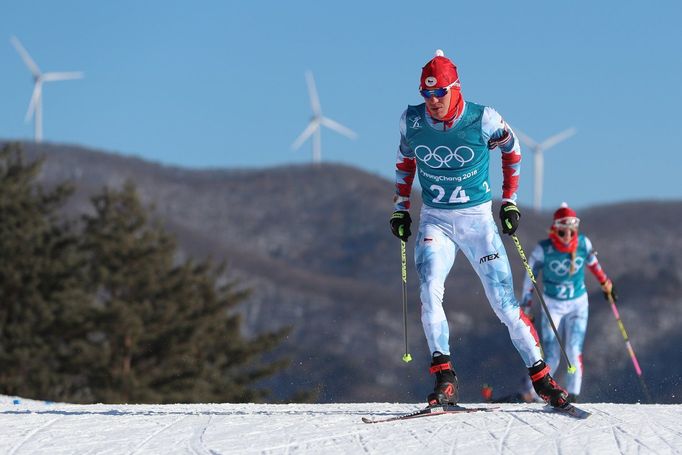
[317, 121]
[538, 158]
[35, 106]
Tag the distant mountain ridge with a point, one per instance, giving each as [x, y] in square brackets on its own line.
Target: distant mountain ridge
[313, 245]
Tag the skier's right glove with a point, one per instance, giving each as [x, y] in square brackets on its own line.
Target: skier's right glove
[608, 288]
[400, 224]
[509, 216]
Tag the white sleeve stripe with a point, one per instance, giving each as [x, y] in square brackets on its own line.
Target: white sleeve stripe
[403, 123]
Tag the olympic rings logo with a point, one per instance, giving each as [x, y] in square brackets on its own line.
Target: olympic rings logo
[562, 267]
[442, 156]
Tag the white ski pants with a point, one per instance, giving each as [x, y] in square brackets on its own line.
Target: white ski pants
[442, 233]
[570, 320]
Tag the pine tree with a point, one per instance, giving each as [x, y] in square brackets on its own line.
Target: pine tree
[167, 330]
[43, 305]
[105, 311]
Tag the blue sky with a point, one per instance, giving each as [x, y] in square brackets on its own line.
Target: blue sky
[221, 83]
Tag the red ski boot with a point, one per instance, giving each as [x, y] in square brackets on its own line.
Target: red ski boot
[445, 390]
[546, 387]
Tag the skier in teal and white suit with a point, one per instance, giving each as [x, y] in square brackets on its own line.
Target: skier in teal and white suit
[447, 142]
[561, 259]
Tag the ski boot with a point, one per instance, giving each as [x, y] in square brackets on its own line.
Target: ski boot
[545, 386]
[445, 390]
[572, 397]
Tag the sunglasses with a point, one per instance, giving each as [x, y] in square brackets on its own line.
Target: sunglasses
[438, 92]
[564, 233]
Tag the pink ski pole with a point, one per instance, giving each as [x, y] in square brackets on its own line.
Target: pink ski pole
[628, 345]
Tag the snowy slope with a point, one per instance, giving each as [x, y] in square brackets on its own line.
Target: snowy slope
[41, 428]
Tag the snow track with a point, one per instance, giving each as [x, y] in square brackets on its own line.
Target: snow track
[196, 442]
[154, 434]
[31, 434]
[211, 429]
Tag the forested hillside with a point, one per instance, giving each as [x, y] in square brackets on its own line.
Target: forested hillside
[312, 245]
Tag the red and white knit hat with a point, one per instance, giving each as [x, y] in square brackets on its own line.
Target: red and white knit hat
[565, 217]
[439, 72]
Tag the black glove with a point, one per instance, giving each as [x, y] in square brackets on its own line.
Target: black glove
[509, 216]
[400, 224]
[607, 288]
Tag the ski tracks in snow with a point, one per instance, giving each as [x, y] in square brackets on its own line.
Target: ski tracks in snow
[137, 449]
[315, 445]
[501, 444]
[31, 434]
[656, 429]
[624, 438]
[196, 442]
[231, 429]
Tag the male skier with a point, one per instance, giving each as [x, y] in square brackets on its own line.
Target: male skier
[447, 142]
[562, 259]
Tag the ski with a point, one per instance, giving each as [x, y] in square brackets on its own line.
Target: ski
[569, 410]
[430, 411]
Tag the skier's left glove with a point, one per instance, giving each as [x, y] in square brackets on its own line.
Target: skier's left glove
[608, 289]
[400, 224]
[509, 216]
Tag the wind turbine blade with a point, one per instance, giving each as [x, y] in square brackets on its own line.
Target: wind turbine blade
[554, 140]
[312, 93]
[310, 129]
[524, 138]
[23, 53]
[538, 171]
[35, 99]
[48, 77]
[339, 128]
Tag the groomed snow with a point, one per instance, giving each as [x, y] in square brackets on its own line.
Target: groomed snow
[33, 427]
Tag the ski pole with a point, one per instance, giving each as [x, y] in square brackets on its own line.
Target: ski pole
[519, 248]
[628, 346]
[403, 259]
